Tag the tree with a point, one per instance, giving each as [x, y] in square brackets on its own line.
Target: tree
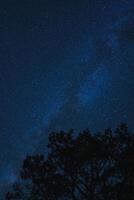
[84, 166]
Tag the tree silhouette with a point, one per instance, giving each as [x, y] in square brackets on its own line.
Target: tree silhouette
[80, 167]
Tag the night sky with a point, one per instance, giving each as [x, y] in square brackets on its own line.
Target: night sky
[63, 64]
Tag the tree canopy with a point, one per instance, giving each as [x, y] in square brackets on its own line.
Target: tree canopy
[80, 167]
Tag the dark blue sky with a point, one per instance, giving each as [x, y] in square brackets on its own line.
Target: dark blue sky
[63, 64]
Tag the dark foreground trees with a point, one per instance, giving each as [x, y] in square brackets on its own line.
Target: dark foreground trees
[83, 167]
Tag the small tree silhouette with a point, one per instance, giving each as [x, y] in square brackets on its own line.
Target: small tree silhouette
[80, 167]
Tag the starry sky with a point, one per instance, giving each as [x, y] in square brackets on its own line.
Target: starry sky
[63, 64]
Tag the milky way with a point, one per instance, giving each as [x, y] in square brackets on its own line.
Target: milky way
[62, 66]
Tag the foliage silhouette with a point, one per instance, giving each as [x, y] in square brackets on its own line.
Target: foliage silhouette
[80, 167]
